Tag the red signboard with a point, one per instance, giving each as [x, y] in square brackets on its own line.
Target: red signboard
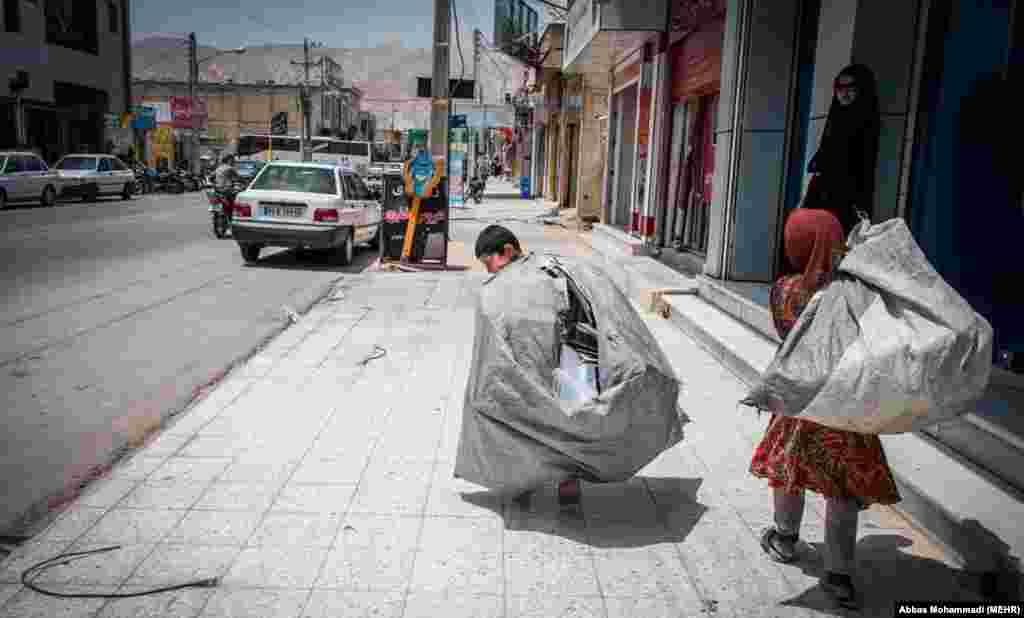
[182, 113]
[689, 15]
[697, 62]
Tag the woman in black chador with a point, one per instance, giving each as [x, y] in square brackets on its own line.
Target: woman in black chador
[843, 169]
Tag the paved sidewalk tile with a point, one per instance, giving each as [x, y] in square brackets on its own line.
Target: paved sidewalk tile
[334, 603]
[243, 603]
[185, 603]
[372, 553]
[432, 605]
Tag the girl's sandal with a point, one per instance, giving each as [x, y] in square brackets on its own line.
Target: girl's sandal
[779, 547]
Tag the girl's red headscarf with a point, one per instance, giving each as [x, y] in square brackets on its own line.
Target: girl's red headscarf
[813, 238]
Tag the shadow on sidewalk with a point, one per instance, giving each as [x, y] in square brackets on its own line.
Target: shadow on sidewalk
[885, 575]
[612, 515]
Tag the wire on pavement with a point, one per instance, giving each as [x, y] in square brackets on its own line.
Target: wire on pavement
[29, 575]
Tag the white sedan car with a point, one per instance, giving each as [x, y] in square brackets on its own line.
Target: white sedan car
[306, 206]
[90, 176]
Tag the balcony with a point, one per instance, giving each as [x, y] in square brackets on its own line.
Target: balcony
[599, 33]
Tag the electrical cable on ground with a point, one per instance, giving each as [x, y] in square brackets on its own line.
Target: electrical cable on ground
[378, 352]
[29, 575]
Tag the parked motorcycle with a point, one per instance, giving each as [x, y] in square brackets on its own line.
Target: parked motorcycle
[221, 207]
[476, 190]
[191, 181]
[169, 182]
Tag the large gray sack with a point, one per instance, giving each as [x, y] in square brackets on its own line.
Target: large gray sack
[516, 433]
[889, 347]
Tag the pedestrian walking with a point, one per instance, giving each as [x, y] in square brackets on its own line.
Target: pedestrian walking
[794, 455]
[541, 408]
[843, 168]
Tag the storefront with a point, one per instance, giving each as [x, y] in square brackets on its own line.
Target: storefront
[680, 218]
[625, 119]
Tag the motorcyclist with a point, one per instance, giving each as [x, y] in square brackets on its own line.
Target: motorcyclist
[225, 179]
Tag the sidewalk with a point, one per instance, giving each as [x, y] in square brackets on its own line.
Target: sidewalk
[318, 483]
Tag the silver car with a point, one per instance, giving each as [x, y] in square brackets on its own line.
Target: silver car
[24, 177]
[90, 176]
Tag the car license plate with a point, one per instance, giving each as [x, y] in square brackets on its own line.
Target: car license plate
[290, 212]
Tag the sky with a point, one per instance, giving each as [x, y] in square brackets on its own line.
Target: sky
[335, 23]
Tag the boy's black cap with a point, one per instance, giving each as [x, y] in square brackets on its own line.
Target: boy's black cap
[493, 239]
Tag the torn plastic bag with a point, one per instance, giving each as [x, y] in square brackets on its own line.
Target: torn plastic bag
[888, 347]
[517, 432]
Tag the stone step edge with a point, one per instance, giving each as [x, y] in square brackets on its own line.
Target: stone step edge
[919, 508]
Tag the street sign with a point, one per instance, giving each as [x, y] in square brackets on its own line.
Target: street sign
[279, 123]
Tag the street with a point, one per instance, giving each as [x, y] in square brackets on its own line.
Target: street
[114, 315]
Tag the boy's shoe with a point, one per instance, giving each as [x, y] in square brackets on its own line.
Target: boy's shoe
[569, 493]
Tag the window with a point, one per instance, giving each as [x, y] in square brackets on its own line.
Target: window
[118, 165]
[105, 165]
[112, 16]
[34, 164]
[12, 15]
[15, 164]
[77, 163]
[298, 179]
[73, 24]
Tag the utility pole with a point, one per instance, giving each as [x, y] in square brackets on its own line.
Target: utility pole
[305, 136]
[193, 77]
[439, 84]
[477, 90]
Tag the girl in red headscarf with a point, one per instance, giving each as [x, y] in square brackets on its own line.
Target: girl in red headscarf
[848, 469]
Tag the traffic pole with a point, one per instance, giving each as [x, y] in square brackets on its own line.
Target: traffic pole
[439, 83]
[193, 76]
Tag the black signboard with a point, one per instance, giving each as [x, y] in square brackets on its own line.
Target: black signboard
[457, 89]
[430, 246]
[279, 124]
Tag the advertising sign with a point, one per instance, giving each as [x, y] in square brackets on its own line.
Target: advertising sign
[456, 180]
[183, 110]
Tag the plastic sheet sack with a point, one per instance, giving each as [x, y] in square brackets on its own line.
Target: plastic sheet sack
[517, 431]
[889, 347]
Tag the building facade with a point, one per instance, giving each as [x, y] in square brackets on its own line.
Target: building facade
[74, 58]
[235, 109]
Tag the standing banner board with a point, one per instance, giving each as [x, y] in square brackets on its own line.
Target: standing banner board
[457, 175]
[431, 237]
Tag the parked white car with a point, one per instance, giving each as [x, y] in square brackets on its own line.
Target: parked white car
[90, 176]
[306, 206]
[24, 177]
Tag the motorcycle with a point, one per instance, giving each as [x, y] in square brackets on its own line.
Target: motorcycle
[476, 190]
[221, 207]
[169, 182]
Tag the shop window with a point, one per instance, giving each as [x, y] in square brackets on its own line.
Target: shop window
[12, 15]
